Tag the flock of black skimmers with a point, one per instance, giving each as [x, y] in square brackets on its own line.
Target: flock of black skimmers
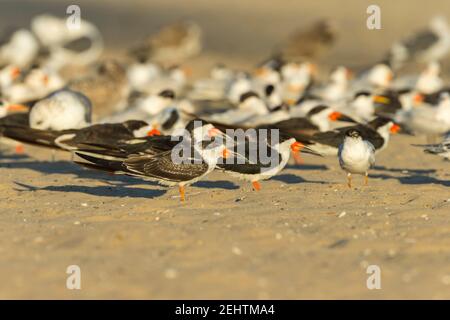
[145, 117]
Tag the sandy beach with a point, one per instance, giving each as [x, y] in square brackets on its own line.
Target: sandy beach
[305, 235]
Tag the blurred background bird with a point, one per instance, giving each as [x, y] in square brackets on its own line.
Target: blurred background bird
[310, 43]
[172, 44]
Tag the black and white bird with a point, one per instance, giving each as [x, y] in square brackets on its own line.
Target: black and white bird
[168, 163]
[377, 132]
[428, 119]
[73, 139]
[65, 45]
[13, 114]
[19, 48]
[246, 162]
[356, 155]
[441, 149]
[145, 107]
[63, 109]
[427, 45]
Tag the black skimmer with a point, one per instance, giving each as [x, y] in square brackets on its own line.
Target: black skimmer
[145, 106]
[337, 87]
[72, 139]
[356, 155]
[34, 84]
[78, 46]
[246, 163]
[318, 118]
[13, 114]
[142, 73]
[377, 132]
[63, 109]
[20, 48]
[426, 45]
[165, 165]
[427, 119]
[378, 78]
[9, 75]
[441, 149]
[433, 98]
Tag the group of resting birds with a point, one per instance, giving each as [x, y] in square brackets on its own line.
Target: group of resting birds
[147, 119]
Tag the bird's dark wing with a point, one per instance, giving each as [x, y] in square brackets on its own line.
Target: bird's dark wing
[161, 166]
[42, 138]
[332, 138]
[15, 119]
[99, 163]
[78, 45]
[420, 42]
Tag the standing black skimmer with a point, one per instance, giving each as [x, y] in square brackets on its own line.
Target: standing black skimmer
[166, 165]
[246, 163]
[356, 155]
[377, 132]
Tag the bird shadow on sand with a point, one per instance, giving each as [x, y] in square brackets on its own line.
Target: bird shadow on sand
[293, 179]
[405, 170]
[12, 157]
[306, 167]
[218, 184]
[65, 167]
[100, 191]
[416, 179]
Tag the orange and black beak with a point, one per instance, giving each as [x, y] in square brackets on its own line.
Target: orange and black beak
[213, 132]
[418, 98]
[395, 128]
[17, 108]
[334, 116]
[297, 146]
[381, 99]
[153, 132]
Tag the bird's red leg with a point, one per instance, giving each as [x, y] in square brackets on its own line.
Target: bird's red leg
[181, 189]
[256, 185]
[20, 149]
